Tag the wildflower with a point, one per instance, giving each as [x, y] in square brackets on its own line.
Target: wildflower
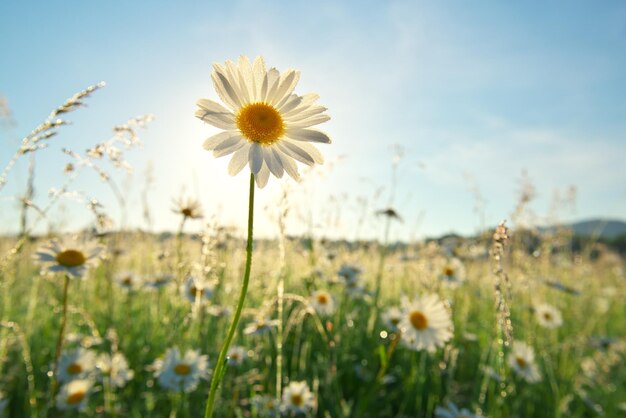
[116, 368]
[266, 405]
[452, 272]
[236, 355]
[392, 317]
[160, 281]
[297, 398]
[389, 213]
[76, 364]
[349, 273]
[548, 316]
[181, 373]
[74, 395]
[196, 289]
[219, 311]
[426, 323]
[322, 302]
[128, 281]
[260, 326]
[522, 361]
[452, 411]
[69, 256]
[188, 208]
[266, 125]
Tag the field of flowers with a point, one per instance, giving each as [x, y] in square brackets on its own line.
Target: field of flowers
[131, 324]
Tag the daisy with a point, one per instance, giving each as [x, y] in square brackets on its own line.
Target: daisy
[297, 398]
[188, 208]
[76, 364]
[426, 323]
[522, 361]
[265, 124]
[181, 373]
[74, 395]
[452, 272]
[322, 302]
[548, 316]
[266, 405]
[349, 273]
[196, 289]
[68, 256]
[116, 368]
[159, 281]
[128, 281]
[392, 317]
[260, 326]
[452, 411]
[236, 355]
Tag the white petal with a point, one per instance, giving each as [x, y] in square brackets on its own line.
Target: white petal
[224, 88]
[288, 164]
[288, 81]
[308, 135]
[256, 158]
[223, 119]
[262, 177]
[273, 81]
[293, 102]
[258, 74]
[294, 151]
[311, 121]
[239, 160]
[215, 140]
[229, 146]
[308, 100]
[272, 162]
[247, 77]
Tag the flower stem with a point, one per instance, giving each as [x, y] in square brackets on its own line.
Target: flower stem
[59, 346]
[218, 373]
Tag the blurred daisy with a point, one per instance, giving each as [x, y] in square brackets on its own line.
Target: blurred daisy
[266, 405]
[236, 355]
[76, 364]
[548, 316]
[219, 311]
[181, 373]
[522, 361]
[392, 317]
[266, 125]
[452, 411]
[452, 272]
[128, 281]
[196, 289]
[297, 398]
[74, 395]
[159, 282]
[188, 208]
[68, 256]
[426, 323]
[115, 368]
[260, 326]
[349, 273]
[322, 302]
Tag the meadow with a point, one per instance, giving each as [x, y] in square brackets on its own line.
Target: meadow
[511, 323]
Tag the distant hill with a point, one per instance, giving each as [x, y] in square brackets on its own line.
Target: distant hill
[605, 228]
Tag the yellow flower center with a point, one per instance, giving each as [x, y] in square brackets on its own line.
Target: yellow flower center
[75, 397]
[418, 320]
[71, 258]
[74, 368]
[547, 316]
[297, 399]
[260, 122]
[394, 321]
[520, 362]
[127, 281]
[448, 271]
[194, 291]
[187, 212]
[182, 369]
[322, 298]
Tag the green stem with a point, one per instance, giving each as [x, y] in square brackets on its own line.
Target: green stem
[59, 346]
[218, 373]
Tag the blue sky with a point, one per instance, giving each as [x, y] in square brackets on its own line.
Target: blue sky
[474, 92]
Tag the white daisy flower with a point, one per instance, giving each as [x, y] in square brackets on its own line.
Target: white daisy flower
[74, 395]
[219, 311]
[266, 125]
[159, 281]
[116, 368]
[548, 316]
[68, 256]
[297, 398]
[322, 302]
[522, 361]
[196, 289]
[188, 208]
[452, 411]
[76, 364]
[260, 326]
[349, 273]
[127, 280]
[426, 323]
[452, 272]
[266, 405]
[181, 373]
[392, 317]
[236, 355]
